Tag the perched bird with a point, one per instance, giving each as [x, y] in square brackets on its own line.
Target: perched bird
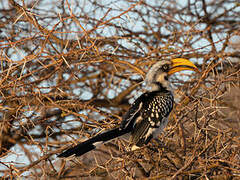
[148, 115]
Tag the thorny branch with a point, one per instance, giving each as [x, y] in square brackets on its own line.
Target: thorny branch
[69, 70]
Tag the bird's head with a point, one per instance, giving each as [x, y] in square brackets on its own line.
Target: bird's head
[157, 77]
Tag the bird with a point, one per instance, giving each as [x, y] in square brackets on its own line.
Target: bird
[148, 115]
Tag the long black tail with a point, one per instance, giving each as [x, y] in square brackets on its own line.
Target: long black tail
[90, 144]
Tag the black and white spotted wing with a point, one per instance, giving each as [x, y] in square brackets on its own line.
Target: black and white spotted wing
[147, 116]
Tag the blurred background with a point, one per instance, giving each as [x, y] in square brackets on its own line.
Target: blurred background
[70, 69]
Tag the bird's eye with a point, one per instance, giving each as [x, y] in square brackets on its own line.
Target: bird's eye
[165, 67]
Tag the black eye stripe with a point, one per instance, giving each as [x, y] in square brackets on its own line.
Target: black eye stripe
[165, 67]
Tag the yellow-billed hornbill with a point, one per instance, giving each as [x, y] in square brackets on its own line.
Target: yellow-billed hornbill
[148, 115]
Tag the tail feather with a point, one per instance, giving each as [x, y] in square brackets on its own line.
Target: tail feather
[90, 144]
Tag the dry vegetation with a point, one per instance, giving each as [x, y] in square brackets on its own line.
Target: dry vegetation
[69, 68]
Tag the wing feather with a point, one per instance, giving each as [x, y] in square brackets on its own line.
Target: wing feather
[154, 113]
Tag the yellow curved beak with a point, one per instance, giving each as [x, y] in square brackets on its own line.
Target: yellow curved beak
[180, 64]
